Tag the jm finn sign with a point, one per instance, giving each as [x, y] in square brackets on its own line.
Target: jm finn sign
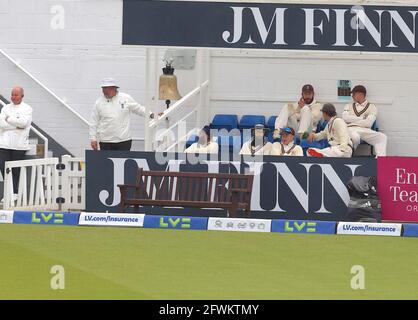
[304, 188]
[270, 26]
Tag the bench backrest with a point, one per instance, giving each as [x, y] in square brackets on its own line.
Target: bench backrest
[191, 186]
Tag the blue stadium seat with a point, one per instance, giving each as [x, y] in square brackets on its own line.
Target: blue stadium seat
[321, 125]
[232, 142]
[271, 122]
[374, 127]
[270, 136]
[192, 139]
[224, 121]
[249, 121]
[245, 136]
[321, 144]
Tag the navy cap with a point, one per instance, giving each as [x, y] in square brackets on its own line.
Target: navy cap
[206, 129]
[287, 130]
[307, 88]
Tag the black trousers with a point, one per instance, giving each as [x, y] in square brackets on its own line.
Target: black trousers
[122, 146]
[11, 155]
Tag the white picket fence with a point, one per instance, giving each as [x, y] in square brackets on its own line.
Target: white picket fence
[73, 184]
[46, 184]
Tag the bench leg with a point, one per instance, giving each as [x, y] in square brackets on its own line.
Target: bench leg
[234, 206]
[122, 199]
[233, 211]
[248, 213]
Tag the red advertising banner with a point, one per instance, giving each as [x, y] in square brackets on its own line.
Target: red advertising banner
[397, 186]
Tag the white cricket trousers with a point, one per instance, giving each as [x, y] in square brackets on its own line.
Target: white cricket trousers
[299, 122]
[377, 139]
[333, 151]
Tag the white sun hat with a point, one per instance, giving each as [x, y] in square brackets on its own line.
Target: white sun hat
[108, 82]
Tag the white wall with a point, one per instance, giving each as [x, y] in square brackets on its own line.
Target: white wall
[71, 61]
[254, 82]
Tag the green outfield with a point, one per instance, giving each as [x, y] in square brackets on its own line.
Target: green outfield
[122, 263]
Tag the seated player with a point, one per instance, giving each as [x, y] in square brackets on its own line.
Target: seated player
[360, 116]
[321, 144]
[204, 144]
[335, 132]
[303, 115]
[287, 147]
[258, 145]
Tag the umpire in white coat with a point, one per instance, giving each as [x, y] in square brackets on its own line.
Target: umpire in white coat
[110, 118]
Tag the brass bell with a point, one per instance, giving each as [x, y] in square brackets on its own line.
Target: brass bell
[168, 85]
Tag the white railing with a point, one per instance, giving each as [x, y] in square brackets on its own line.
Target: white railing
[38, 82]
[41, 187]
[174, 108]
[182, 138]
[42, 182]
[159, 142]
[38, 133]
[73, 183]
[199, 112]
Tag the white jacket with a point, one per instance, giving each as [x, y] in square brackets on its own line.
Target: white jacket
[264, 150]
[358, 115]
[279, 149]
[110, 118]
[211, 147]
[336, 132]
[14, 132]
[295, 111]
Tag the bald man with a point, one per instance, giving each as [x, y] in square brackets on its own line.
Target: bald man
[15, 122]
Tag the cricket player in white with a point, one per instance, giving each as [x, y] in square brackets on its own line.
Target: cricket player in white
[336, 133]
[360, 117]
[258, 145]
[287, 147]
[204, 145]
[303, 115]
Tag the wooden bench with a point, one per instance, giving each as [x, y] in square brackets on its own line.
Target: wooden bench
[189, 189]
